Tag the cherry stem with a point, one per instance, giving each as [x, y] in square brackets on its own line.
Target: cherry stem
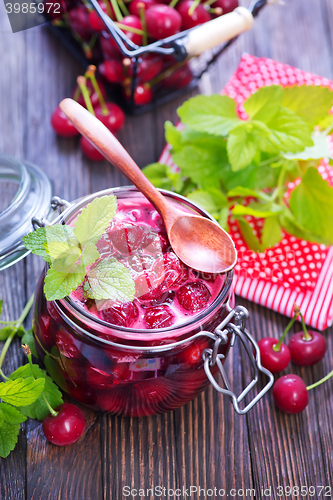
[208, 2]
[173, 3]
[306, 333]
[124, 27]
[277, 347]
[90, 73]
[108, 8]
[194, 5]
[142, 14]
[116, 10]
[321, 381]
[16, 326]
[82, 83]
[27, 351]
[123, 7]
[216, 10]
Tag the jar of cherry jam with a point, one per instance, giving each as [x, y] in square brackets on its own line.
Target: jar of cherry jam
[159, 351]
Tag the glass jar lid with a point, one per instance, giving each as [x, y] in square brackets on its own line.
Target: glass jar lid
[25, 192]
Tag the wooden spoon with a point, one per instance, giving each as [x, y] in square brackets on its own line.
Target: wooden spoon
[199, 242]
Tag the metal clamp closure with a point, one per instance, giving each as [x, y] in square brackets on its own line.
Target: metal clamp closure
[212, 357]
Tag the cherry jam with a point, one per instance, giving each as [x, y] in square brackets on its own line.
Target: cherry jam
[145, 356]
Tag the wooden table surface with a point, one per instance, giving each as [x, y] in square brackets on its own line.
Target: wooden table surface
[203, 444]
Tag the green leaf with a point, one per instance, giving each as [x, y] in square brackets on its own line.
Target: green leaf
[215, 114]
[5, 332]
[8, 438]
[63, 255]
[94, 219]
[89, 254]
[110, 280]
[38, 409]
[264, 104]
[212, 200]
[288, 133]
[244, 191]
[243, 143]
[28, 339]
[248, 235]
[319, 150]
[1, 303]
[271, 232]
[58, 285]
[312, 103]
[173, 135]
[202, 165]
[252, 177]
[159, 175]
[261, 210]
[37, 241]
[11, 415]
[21, 392]
[311, 202]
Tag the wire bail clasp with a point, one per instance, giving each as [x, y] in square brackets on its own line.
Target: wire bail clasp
[211, 357]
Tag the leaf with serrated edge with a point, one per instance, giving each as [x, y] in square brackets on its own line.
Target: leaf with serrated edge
[89, 254]
[288, 133]
[215, 114]
[242, 146]
[8, 438]
[212, 200]
[248, 235]
[264, 104]
[258, 210]
[110, 280]
[311, 102]
[21, 392]
[38, 240]
[58, 285]
[244, 191]
[38, 409]
[11, 415]
[320, 149]
[94, 219]
[63, 255]
[157, 173]
[271, 232]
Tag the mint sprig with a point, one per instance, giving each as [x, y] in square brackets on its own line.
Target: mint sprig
[247, 164]
[70, 251]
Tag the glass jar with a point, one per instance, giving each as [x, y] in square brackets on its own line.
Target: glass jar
[135, 372]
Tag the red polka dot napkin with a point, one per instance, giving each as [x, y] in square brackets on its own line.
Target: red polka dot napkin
[294, 270]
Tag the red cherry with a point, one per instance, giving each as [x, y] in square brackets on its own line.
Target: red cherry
[147, 287]
[67, 427]
[133, 22]
[61, 124]
[45, 332]
[112, 70]
[179, 78]
[66, 345]
[98, 379]
[127, 238]
[170, 270]
[114, 120]
[133, 6]
[79, 21]
[162, 21]
[290, 394]
[142, 94]
[158, 317]
[226, 5]
[150, 65]
[95, 21]
[273, 361]
[307, 352]
[90, 151]
[193, 354]
[92, 94]
[122, 314]
[193, 296]
[199, 16]
[110, 50]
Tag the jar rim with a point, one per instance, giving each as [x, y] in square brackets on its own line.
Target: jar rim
[141, 334]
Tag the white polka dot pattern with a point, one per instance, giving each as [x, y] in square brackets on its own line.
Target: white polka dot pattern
[293, 270]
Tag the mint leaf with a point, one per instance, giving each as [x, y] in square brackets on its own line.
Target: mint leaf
[11, 415]
[312, 103]
[37, 241]
[110, 280]
[89, 254]
[243, 143]
[253, 177]
[311, 202]
[28, 339]
[215, 114]
[163, 177]
[271, 232]
[58, 285]
[319, 150]
[248, 235]
[5, 332]
[244, 191]
[212, 200]
[63, 255]
[264, 104]
[261, 210]
[21, 392]
[288, 133]
[173, 135]
[8, 438]
[94, 219]
[1, 303]
[38, 409]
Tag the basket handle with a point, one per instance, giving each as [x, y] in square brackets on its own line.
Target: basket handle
[218, 30]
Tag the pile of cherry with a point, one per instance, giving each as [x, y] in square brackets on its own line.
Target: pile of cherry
[143, 22]
[91, 94]
[305, 348]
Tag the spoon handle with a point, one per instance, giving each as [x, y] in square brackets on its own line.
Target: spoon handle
[101, 137]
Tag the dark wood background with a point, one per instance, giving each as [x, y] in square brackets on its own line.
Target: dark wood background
[203, 443]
